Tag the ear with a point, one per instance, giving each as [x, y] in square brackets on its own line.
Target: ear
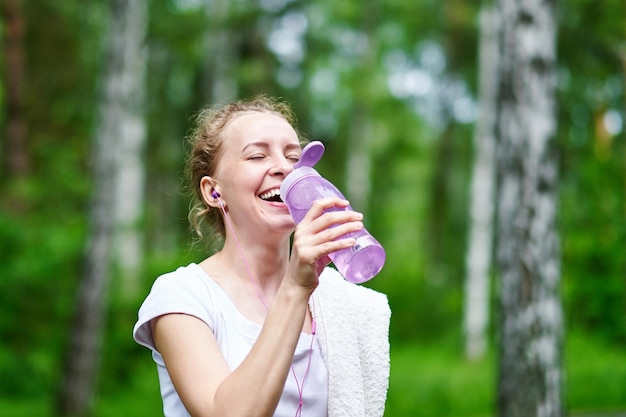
[207, 186]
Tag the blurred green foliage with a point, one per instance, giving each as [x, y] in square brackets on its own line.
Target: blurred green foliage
[421, 157]
[430, 380]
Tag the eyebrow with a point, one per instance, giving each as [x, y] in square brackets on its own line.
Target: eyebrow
[266, 145]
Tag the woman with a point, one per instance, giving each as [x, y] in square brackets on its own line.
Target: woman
[262, 327]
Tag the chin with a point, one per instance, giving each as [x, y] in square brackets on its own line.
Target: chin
[287, 226]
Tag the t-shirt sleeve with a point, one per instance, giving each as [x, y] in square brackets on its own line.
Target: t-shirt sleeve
[176, 292]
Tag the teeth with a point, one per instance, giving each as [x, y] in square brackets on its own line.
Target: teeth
[270, 194]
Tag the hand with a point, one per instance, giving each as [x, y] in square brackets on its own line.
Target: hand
[319, 234]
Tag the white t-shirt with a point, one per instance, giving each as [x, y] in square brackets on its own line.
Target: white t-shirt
[189, 290]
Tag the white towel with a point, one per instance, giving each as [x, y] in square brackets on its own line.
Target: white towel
[353, 331]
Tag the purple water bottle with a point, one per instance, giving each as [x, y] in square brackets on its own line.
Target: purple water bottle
[304, 185]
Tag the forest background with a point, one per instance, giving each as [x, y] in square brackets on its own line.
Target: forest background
[391, 88]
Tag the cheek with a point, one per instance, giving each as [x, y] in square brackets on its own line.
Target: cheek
[242, 180]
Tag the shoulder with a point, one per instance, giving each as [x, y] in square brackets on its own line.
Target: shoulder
[183, 279]
[186, 290]
[187, 287]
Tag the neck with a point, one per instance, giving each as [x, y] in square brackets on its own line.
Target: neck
[264, 263]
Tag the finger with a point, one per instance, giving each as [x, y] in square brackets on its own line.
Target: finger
[332, 219]
[311, 248]
[327, 228]
[325, 204]
[337, 232]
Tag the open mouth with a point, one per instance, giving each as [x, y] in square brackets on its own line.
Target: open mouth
[272, 196]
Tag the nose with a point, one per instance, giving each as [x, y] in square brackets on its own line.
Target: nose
[282, 166]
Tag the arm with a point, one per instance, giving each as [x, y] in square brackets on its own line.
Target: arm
[192, 356]
[201, 375]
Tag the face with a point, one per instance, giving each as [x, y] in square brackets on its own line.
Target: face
[258, 151]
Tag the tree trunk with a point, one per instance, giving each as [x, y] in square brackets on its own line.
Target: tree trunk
[531, 324]
[220, 72]
[16, 158]
[127, 86]
[361, 132]
[439, 201]
[119, 133]
[478, 260]
[358, 160]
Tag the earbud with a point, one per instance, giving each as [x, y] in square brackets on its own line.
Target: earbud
[218, 196]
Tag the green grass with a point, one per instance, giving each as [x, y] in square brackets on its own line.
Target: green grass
[426, 380]
[437, 381]
[596, 375]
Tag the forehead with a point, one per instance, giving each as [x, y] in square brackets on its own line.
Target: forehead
[255, 126]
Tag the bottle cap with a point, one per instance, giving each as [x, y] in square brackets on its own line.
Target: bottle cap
[311, 154]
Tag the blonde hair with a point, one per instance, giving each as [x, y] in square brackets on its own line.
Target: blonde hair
[205, 147]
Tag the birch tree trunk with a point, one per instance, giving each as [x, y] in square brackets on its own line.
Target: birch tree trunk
[531, 323]
[358, 163]
[361, 132]
[478, 260]
[126, 86]
[220, 72]
[120, 133]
